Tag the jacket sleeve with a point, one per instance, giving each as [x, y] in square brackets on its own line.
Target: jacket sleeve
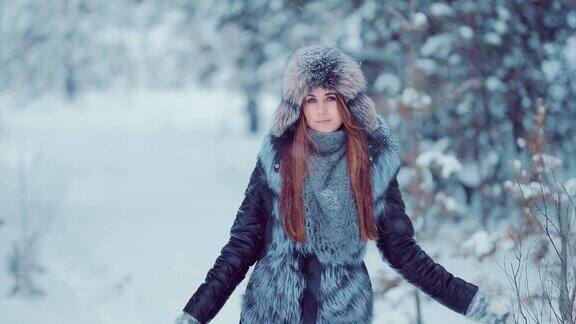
[398, 247]
[240, 252]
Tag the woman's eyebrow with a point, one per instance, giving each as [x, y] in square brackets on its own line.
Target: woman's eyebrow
[327, 93]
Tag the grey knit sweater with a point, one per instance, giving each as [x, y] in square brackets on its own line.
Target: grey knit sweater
[330, 210]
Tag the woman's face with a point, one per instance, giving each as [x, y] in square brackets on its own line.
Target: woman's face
[321, 110]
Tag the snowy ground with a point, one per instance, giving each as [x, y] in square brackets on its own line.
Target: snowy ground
[135, 196]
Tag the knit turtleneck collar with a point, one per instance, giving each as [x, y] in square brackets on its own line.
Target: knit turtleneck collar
[328, 143]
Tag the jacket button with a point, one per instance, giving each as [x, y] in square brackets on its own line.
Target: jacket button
[276, 166]
[370, 158]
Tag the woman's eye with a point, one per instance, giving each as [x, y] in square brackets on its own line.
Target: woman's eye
[311, 100]
[331, 98]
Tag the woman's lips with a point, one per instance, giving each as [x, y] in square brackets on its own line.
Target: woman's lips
[323, 121]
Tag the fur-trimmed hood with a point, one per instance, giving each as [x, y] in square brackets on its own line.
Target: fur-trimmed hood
[331, 68]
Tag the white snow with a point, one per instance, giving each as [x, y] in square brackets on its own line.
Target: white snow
[388, 83]
[571, 19]
[500, 27]
[429, 66]
[412, 97]
[466, 32]
[569, 189]
[420, 20]
[545, 162]
[440, 45]
[450, 203]
[521, 142]
[480, 243]
[146, 188]
[439, 9]
[529, 190]
[447, 163]
[470, 174]
[493, 83]
[558, 91]
[516, 165]
[492, 38]
[503, 12]
[551, 69]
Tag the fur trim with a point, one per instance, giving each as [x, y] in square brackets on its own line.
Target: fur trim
[346, 295]
[385, 163]
[276, 284]
[331, 68]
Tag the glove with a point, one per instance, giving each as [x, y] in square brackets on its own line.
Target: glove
[490, 309]
[186, 318]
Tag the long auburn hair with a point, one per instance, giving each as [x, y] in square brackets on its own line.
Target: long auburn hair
[295, 166]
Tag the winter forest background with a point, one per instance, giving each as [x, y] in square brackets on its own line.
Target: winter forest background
[128, 129]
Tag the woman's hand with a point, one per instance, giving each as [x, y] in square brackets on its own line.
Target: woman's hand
[488, 308]
[186, 318]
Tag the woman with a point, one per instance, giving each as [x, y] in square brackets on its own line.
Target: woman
[323, 185]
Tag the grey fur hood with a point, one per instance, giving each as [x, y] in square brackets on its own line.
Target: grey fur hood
[331, 68]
